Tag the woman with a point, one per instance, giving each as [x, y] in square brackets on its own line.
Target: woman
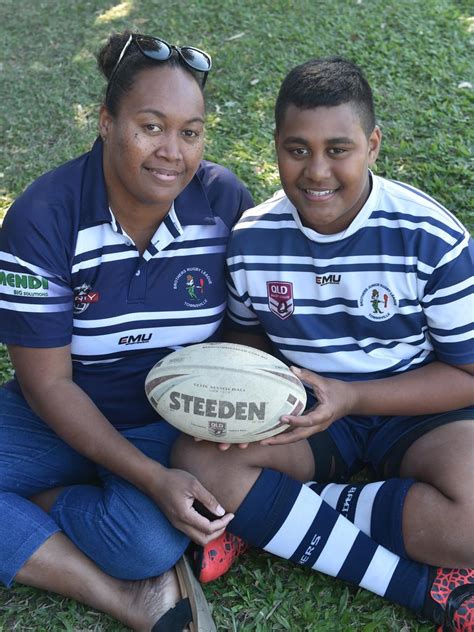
[97, 257]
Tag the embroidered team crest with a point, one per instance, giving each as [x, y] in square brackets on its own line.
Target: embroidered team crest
[378, 302]
[280, 298]
[192, 284]
[195, 289]
[83, 297]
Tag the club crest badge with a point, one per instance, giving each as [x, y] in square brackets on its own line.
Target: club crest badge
[280, 298]
[378, 302]
[193, 284]
[83, 297]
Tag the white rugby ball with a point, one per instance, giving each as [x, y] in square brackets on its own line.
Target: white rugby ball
[224, 392]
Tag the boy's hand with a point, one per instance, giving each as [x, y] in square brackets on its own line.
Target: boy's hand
[224, 446]
[335, 400]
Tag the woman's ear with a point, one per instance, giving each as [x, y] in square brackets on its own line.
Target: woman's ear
[105, 122]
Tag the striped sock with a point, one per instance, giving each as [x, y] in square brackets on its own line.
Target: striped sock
[288, 519]
[375, 508]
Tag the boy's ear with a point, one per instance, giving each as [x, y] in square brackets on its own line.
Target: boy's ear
[375, 140]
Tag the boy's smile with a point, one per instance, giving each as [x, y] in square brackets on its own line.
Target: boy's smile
[323, 157]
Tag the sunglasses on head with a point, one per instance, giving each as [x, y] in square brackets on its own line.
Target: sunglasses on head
[159, 50]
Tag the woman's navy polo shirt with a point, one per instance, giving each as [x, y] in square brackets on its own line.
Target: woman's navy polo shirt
[69, 274]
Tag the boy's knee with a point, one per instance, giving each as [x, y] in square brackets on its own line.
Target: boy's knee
[465, 539]
[458, 540]
[187, 454]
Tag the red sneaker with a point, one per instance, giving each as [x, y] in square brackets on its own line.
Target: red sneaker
[216, 558]
[453, 590]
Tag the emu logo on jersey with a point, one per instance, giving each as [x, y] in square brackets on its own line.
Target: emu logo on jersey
[83, 297]
[331, 279]
[378, 302]
[139, 339]
[280, 298]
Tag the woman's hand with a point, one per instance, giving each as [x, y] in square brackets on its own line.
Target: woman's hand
[335, 399]
[176, 492]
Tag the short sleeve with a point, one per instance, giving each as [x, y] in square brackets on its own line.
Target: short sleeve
[448, 304]
[36, 297]
[240, 315]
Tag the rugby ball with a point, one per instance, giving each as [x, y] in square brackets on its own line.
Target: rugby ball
[224, 392]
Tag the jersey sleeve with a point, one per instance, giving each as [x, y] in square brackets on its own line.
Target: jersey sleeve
[36, 298]
[448, 304]
[240, 314]
[227, 195]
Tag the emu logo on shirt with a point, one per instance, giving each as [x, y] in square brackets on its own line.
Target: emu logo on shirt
[331, 279]
[378, 302]
[280, 298]
[135, 340]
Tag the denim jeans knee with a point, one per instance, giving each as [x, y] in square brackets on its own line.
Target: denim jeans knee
[120, 528]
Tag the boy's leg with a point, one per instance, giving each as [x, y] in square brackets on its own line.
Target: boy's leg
[438, 516]
[285, 517]
[389, 510]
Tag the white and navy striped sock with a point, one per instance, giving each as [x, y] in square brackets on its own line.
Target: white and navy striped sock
[288, 519]
[375, 508]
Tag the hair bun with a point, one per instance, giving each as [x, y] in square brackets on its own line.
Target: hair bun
[108, 55]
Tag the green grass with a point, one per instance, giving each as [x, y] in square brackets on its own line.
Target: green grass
[416, 54]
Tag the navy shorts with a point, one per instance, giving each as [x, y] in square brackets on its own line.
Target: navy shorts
[352, 443]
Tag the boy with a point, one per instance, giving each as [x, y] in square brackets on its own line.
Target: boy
[365, 284]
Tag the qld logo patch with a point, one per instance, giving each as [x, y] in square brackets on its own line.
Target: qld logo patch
[83, 297]
[280, 298]
[378, 302]
[217, 428]
[193, 283]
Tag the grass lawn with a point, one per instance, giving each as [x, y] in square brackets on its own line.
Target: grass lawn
[416, 54]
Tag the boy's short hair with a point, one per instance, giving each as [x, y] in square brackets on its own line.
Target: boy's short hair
[327, 81]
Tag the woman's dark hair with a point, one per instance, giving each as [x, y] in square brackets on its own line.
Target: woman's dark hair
[327, 81]
[132, 64]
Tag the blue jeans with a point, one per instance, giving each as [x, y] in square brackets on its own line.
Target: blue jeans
[121, 529]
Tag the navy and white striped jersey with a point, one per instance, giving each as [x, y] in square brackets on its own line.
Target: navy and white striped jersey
[389, 294]
[69, 274]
